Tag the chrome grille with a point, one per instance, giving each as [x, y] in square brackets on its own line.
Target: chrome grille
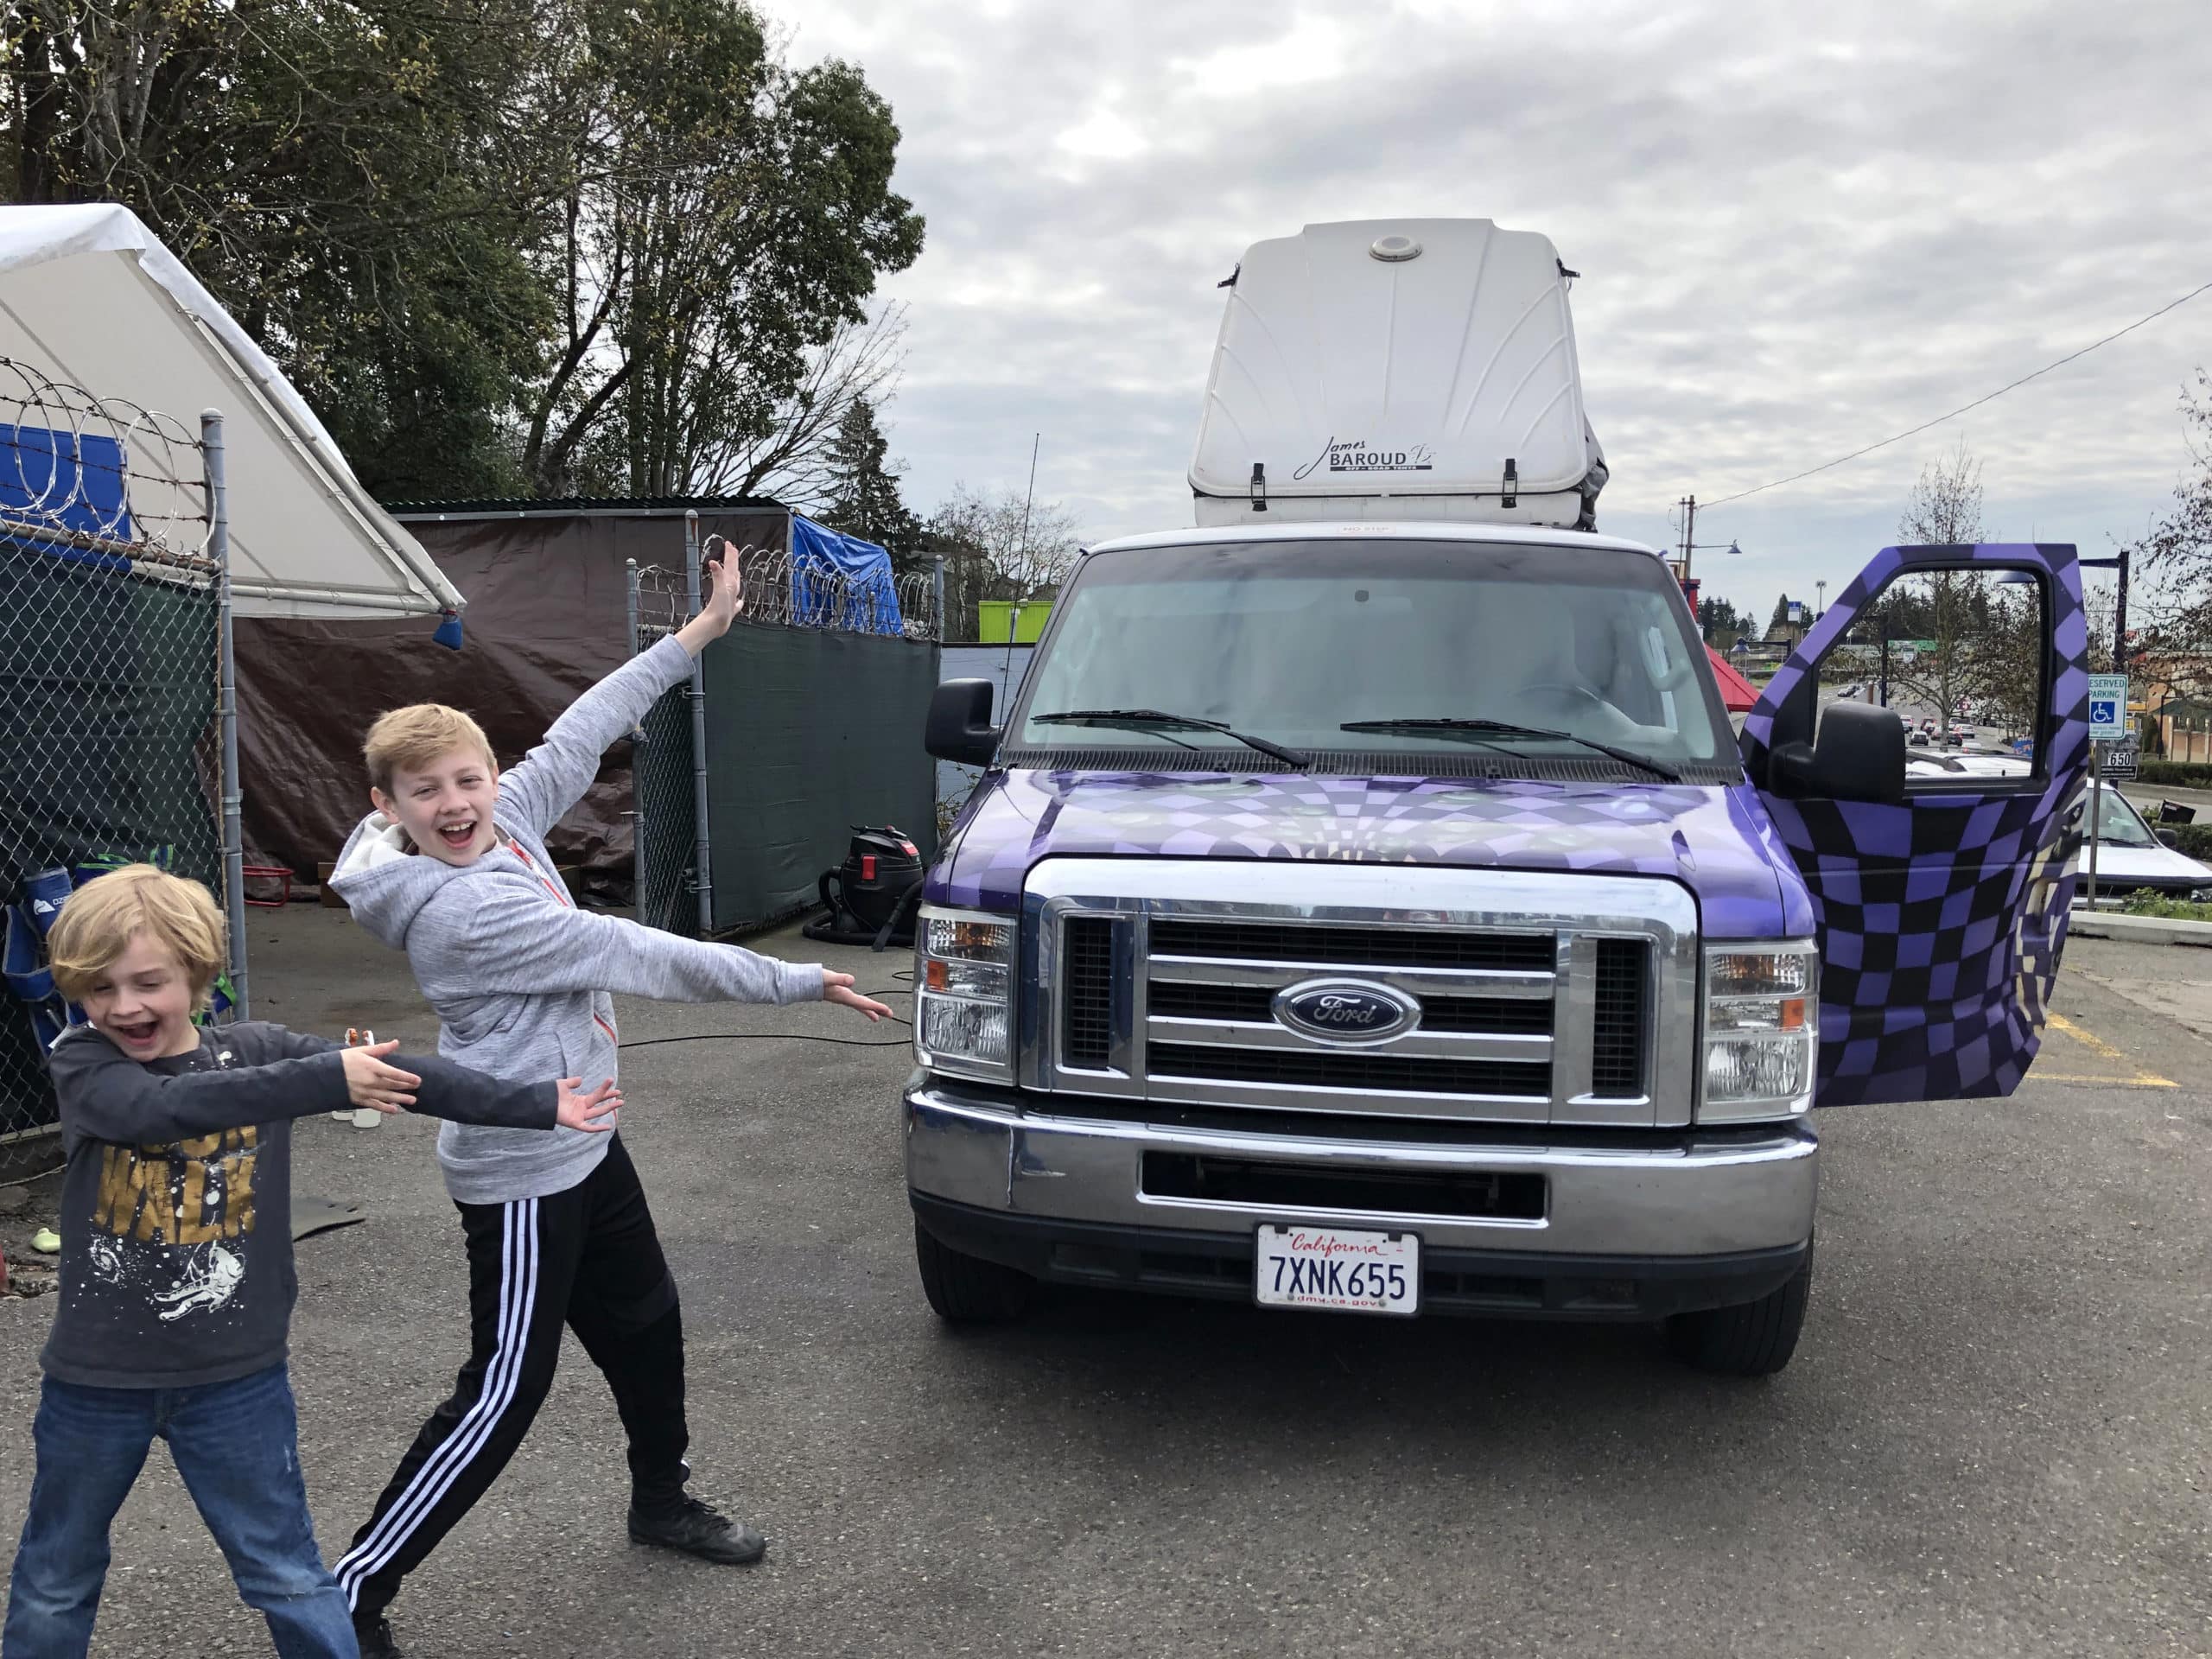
[1526, 998]
[1354, 947]
[1254, 1004]
[1390, 1073]
[1211, 987]
[1616, 1020]
[1087, 1009]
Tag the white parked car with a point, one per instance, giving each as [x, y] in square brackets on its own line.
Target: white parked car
[2130, 856]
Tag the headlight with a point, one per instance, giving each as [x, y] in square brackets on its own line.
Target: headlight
[1762, 1031]
[964, 980]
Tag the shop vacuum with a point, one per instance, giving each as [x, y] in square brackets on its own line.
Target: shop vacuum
[872, 895]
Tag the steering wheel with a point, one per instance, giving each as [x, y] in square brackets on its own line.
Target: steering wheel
[1567, 690]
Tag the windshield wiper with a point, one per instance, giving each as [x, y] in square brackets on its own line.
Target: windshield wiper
[1140, 719]
[1499, 731]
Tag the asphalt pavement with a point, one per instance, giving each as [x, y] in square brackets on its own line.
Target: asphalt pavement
[1996, 1438]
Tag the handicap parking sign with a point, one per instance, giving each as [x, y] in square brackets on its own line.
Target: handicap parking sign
[2108, 707]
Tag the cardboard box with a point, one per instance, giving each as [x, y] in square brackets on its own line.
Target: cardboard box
[330, 899]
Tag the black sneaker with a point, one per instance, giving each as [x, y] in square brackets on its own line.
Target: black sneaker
[695, 1528]
[374, 1634]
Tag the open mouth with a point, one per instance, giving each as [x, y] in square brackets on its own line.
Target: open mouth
[459, 836]
[138, 1034]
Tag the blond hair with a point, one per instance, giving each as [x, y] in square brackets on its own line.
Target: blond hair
[99, 921]
[411, 738]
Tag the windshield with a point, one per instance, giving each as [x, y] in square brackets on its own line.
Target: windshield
[2120, 824]
[1290, 642]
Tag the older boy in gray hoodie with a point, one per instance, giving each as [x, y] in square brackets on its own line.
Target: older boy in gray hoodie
[452, 868]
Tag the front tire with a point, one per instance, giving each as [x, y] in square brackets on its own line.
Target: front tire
[965, 1289]
[1750, 1339]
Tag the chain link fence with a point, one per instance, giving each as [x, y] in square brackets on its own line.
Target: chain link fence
[112, 635]
[779, 589]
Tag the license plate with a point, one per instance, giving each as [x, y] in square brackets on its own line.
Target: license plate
[1336, 1268]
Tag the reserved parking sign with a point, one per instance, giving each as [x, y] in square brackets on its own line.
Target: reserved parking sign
[2107, 708]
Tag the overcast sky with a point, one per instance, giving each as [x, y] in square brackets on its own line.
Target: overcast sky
[1794, 237]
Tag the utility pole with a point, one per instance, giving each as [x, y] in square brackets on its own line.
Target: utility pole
[1689, 504]
[2120, 620]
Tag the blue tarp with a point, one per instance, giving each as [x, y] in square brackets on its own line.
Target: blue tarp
[827, 566]
[74, 477]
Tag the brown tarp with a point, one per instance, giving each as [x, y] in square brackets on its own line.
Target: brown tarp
[547, 614]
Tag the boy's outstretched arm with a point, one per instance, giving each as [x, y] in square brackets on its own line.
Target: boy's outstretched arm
[105, 1095]
[510, 940]
[437, 1087]
[553, 776]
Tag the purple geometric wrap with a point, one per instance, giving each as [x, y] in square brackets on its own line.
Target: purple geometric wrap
[1940, 920]
[1714, 840]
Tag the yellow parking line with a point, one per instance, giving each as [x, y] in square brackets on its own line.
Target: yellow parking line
[2103, 1051]
[2088, 1040]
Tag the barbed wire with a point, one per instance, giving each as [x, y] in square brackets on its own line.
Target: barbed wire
[99, 475]
[780, 589]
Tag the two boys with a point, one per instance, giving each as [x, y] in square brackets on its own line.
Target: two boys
[453, 869]
[176, 1280]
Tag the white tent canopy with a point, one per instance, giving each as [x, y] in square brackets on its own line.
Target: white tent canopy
[89, 298]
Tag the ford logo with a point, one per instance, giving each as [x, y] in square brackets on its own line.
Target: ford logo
[1346, 1010]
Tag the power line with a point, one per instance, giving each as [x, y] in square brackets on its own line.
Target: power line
[1915, 431]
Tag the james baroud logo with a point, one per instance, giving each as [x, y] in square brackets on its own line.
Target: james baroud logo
[1359, 455]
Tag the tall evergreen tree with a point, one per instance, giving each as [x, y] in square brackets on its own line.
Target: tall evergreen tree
[864, 499]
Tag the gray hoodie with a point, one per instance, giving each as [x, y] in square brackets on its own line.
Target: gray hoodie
[519, 975]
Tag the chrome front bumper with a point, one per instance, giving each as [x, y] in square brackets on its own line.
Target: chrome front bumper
[1687, 1193]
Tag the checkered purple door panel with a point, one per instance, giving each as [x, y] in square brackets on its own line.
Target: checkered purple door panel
[1941, 921]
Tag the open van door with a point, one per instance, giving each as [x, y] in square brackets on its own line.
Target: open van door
[1940, 887]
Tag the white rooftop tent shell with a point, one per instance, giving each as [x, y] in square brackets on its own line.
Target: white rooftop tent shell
[89, 298]
[1398, 369]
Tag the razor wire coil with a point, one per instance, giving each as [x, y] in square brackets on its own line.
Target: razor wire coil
[779, 588]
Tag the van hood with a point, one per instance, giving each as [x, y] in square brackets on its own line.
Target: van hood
[1714, 839]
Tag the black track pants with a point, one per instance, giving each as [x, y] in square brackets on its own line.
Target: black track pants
[587, 1258]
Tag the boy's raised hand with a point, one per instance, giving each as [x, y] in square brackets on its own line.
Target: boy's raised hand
[723, 603]
[593, 1113]
[370, 1083]
[838, 988]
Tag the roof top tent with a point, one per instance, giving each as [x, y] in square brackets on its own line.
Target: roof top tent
[1398, 369]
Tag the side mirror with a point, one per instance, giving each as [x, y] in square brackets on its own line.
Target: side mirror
[2169, 838]
[959, 726]
[1857, 755]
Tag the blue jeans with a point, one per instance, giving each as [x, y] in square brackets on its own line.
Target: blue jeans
[236, 1445]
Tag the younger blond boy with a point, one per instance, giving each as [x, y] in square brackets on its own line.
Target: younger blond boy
[176, 1280]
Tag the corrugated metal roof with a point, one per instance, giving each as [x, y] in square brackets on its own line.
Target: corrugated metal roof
[630, 506]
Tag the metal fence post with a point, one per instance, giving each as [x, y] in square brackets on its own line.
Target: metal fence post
[937, 593]
[218, 550]
[701, 849]
[636, 757]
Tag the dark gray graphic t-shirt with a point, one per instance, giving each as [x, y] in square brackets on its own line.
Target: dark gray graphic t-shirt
[176, 1237]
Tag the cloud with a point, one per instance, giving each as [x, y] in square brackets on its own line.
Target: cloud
[1799, 232]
